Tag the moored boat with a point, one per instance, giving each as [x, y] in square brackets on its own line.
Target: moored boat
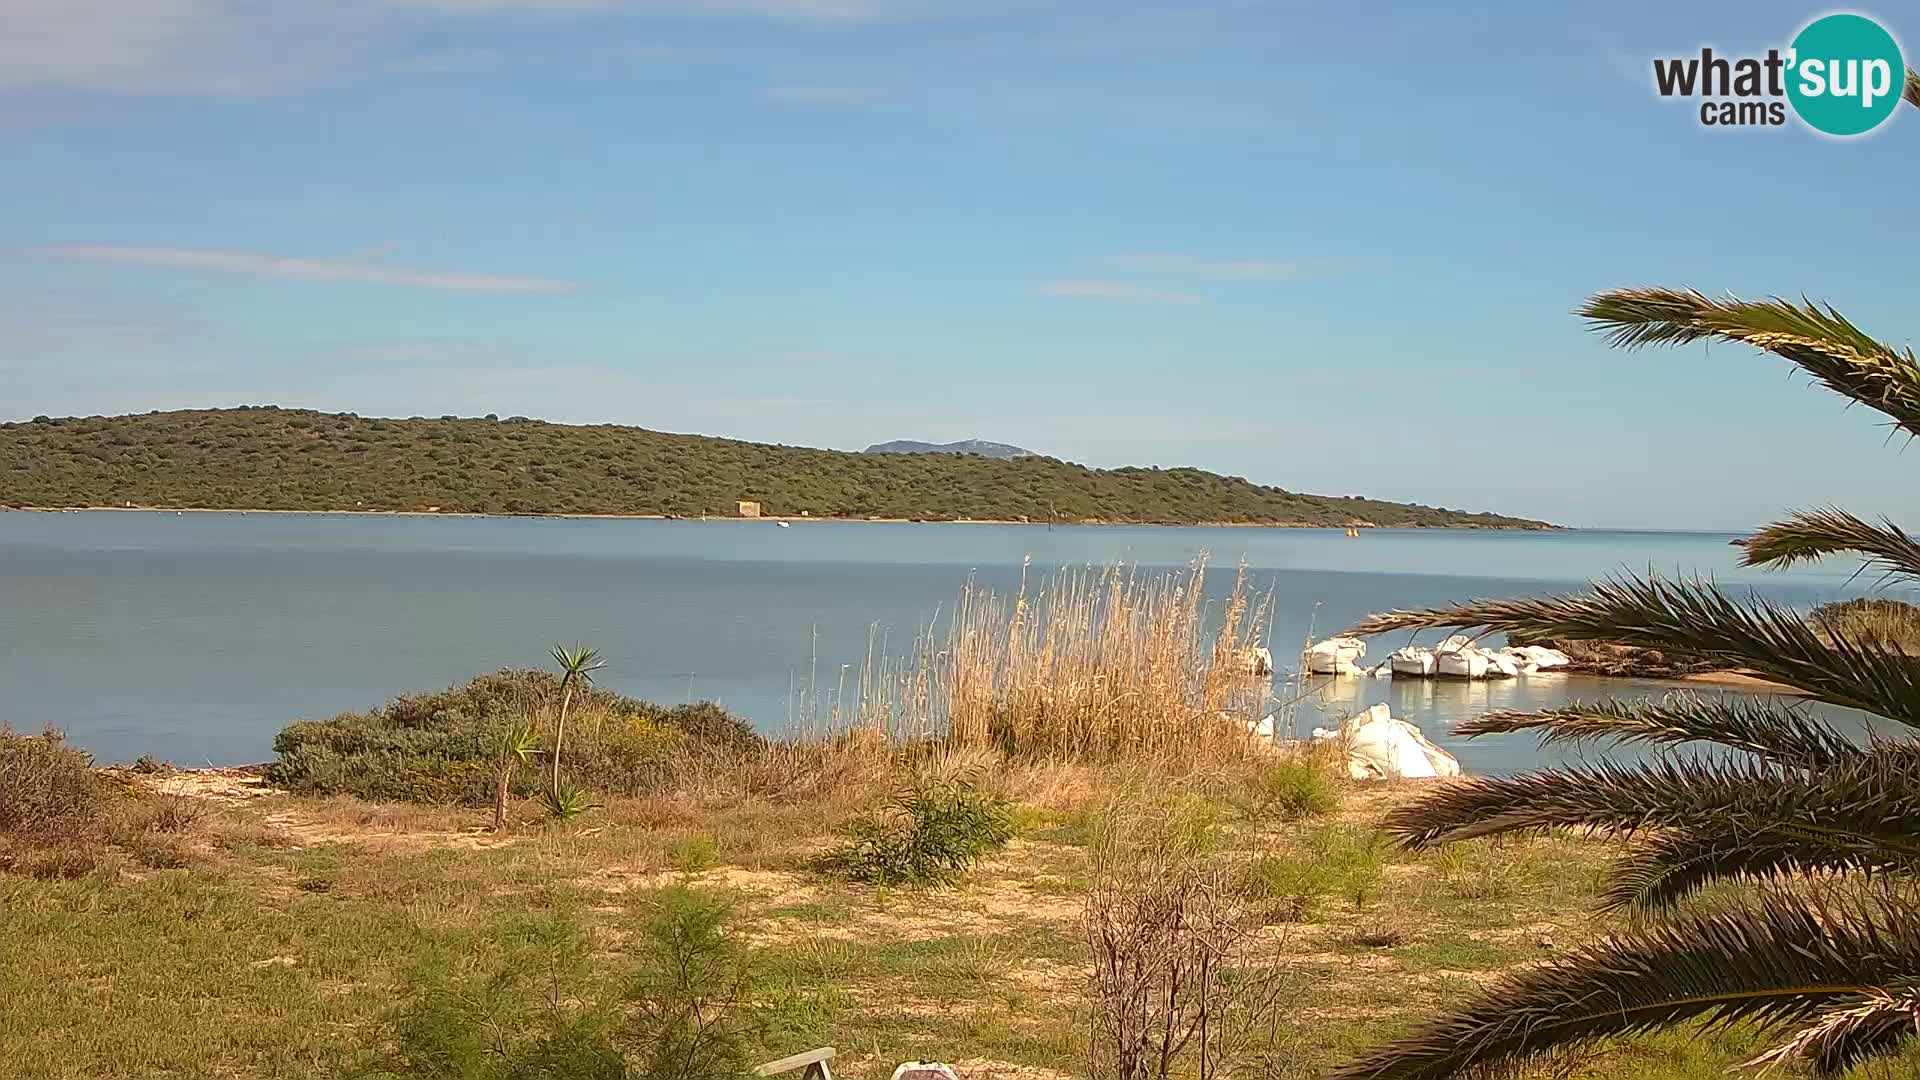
[1414, 661]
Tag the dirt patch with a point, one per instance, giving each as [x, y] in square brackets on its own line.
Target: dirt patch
[232, 785]
[1049, 979]
[303, 831]
[988, 1069]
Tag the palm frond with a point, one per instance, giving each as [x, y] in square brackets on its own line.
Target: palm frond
[1817, 339]
[1913, 88]
[1847, 1035]
[1663, 869]
[1780, 963]
[1696, 618]
[1766, 728]
[1814, 534]
[1861, 815]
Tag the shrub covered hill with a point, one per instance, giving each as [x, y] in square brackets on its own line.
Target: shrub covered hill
[267, 458]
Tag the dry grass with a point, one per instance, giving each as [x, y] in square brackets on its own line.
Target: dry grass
[280, 942]
[1892, 624]
[1091, 664]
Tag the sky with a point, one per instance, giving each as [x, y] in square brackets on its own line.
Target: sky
[1333, 247]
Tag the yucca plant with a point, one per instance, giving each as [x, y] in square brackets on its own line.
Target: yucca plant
[514, 745]
[577, 665]
[1823, 828]
[567, 800]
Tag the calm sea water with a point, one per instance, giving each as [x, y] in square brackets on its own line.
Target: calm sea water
[195, 637]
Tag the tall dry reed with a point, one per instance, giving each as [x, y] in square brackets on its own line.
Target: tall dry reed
[1087, 664]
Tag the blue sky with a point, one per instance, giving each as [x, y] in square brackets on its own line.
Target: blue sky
[1328, 246]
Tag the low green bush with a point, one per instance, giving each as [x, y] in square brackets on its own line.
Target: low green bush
[442, 747]
[528, 1004]
[691, 1001]
[48, 790]
[529, 1007]
[927, 833]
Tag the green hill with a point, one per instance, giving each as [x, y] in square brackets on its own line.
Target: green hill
[269, 458]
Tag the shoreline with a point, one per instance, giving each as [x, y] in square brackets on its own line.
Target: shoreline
[780, 517]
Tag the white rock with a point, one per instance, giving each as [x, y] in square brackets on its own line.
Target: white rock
[1380, 747]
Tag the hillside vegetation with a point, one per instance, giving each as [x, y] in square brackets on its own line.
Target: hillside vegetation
[291, 459]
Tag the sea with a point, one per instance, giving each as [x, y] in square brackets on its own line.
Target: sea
[195, 637]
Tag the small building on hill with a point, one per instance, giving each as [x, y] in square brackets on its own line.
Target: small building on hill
[749, 508]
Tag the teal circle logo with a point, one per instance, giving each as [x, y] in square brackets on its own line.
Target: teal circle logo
[1845, 75]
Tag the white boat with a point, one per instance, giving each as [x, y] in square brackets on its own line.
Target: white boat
[1414, 662]
[1542, 657]
[1461, 663]
[1502, 664]
[1335, 656]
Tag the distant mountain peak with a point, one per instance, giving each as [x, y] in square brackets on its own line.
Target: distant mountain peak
[964, 446]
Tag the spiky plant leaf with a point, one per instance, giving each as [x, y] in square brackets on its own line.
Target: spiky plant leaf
[567, 801]
[1847, 1035]
[1814, 534]
[1817, 339]
[577, 663]
[1663, 869]
[1777, 964]
[1696, 618]
[1777, 732]
[1861, 815]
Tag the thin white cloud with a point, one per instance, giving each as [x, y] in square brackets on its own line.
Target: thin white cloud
[211, 47]
[817, 95]
[1122, 292]
[287, 268]
[246, 48]
[1233, 269]
[448, 62]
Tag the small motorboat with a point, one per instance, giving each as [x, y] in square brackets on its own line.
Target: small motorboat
[1335, 656]
[1412, 662]
[1466, 662]
[783, 524]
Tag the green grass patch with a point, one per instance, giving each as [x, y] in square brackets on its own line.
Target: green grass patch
[1334, 862]
[1291, 789]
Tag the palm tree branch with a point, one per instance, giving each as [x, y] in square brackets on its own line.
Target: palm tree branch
[1913, 88]
[1779, 963]
[1819, 340]
[1762, 727]
[1860, 813]
[1814, 534]
[1696, 618]
[1846, 1035]
[1661, 870]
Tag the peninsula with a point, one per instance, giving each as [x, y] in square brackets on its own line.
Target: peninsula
[269, 458]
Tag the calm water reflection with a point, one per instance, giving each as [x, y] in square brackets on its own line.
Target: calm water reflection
[197, 636]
